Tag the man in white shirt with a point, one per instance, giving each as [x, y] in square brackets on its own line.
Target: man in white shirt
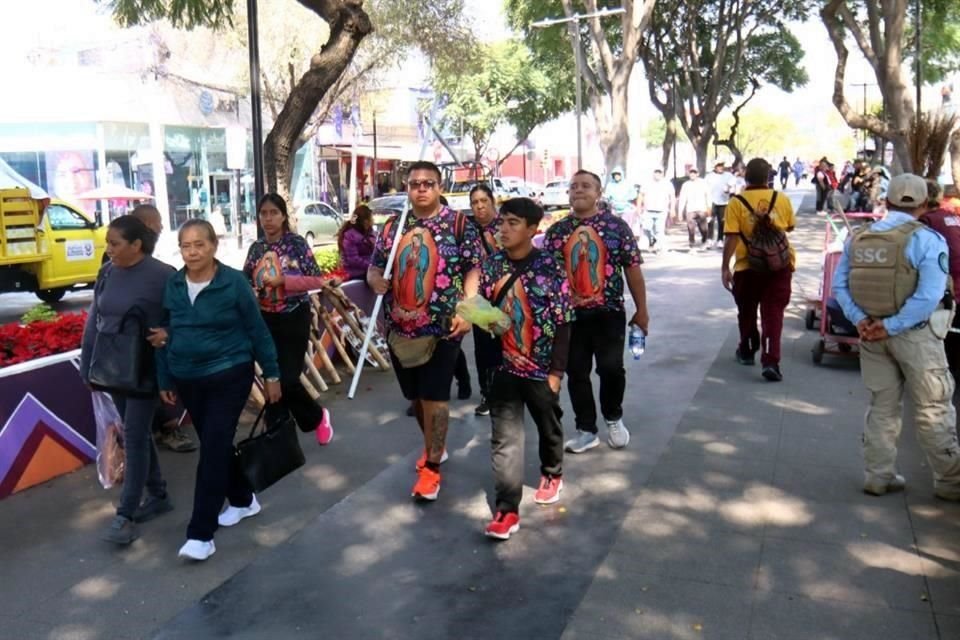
[722, 185]
[657, 202]
[695, 207]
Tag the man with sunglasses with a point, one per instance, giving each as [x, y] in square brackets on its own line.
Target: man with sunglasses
[598, 251]
[437, 264]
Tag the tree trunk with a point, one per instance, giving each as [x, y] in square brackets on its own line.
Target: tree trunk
[613, 123]
[701, 146]
[669, 140]
[349, 24]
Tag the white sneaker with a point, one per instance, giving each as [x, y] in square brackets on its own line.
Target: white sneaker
[232, 515]
[197, 549]
[584, 441]
[617, 434]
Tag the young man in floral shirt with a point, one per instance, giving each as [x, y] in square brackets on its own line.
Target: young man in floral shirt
[437, 264]
[534, 358]
[597, 250]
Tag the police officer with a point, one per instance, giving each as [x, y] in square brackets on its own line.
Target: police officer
[890, 282]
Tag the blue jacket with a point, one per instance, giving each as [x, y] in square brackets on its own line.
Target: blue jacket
[222, 329]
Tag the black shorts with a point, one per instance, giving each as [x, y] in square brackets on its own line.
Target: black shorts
[430, 381]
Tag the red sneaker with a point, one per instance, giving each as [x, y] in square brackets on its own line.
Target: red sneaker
[428, 485]
[422, 460]
[549, 490]
[503, 526]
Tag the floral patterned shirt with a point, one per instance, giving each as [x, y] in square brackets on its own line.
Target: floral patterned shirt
[433, 258]
[538, 303]
[489, 237]
[594, 252]
[290, 255]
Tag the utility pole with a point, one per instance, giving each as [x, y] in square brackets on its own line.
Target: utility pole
[919, 54]
[256, 118]
[574, 27]
[864, 86]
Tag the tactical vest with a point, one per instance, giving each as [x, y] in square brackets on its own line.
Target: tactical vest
[881, 276]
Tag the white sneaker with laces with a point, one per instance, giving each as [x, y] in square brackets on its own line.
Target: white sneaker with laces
[197, 549]
[584, 441]
[618, 436]
[232, 515]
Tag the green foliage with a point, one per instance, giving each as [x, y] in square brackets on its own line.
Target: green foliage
[940, 42]
[328, 258]
[39, 313]
[499, 86]
[181, 13]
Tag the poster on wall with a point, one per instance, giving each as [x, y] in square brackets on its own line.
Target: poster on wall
[70, 173]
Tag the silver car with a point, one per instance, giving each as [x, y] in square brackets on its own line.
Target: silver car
[318, 223]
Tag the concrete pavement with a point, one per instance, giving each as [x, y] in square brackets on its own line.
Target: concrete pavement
[735, 512]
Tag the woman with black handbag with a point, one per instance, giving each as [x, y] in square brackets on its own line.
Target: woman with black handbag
[214, 334]
[116, 357]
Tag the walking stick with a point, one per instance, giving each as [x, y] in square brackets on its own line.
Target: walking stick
[334, 335]
[401, 222]
[347, 310]
[314, 374]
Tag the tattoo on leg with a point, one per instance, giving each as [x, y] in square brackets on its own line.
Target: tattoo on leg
[439, 421]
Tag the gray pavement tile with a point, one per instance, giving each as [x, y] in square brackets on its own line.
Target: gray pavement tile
[23, 628]
[734, 441]
[702, 552]
[940, 560]
[867, 572]
[712, 472]
[784, 617]
[661, 608]
[883, 520]
[823, 426]
[949, 626]
[824, 484]
[823, 452]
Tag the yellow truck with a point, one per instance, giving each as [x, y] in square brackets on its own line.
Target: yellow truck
[47, 247]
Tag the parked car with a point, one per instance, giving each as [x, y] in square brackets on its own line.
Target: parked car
[556, 194]
[318, 222]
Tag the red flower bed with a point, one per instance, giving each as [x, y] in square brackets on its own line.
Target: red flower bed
[41, 338]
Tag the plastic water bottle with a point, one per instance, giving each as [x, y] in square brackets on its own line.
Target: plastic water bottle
[638, 341]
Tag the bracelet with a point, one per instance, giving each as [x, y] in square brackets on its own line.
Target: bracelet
[271, 379]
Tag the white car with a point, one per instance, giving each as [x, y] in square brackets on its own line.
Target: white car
[556, 194]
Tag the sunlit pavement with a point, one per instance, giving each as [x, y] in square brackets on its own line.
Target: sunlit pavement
[735, 512]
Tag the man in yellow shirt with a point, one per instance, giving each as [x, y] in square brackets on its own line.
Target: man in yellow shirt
[752, 285]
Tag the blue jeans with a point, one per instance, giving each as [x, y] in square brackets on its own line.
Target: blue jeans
[215, 403]
[654, 226]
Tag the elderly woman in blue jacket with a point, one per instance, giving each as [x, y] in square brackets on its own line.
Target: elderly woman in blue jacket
[206, 357]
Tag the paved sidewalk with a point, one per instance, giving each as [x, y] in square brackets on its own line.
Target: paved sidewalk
[735, 512]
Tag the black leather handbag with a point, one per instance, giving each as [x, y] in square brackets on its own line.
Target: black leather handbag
[123, 362]
[265, 458]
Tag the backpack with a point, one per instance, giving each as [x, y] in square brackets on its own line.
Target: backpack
[768, 249]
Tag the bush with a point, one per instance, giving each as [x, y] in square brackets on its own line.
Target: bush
[328, 259]
[39, 313]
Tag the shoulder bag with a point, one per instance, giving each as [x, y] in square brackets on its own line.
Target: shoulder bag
[274, 453]
[123, 362]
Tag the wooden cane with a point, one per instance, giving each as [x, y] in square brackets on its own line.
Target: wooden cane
[333, 333]
[345, 308]
[309, 387]
[320, 352]
[312, 370]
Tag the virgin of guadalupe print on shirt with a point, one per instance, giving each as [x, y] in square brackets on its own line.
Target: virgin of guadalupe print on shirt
[518, 340]
[414, 276]
[585, 257]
